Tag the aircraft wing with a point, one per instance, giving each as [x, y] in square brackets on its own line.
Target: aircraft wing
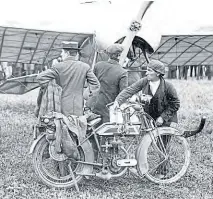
[19, 85]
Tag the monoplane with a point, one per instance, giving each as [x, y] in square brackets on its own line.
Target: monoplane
[29, 44]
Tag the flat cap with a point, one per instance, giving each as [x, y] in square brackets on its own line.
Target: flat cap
[115, 48]
[157, 66]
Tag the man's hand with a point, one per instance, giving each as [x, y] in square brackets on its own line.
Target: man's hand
[159, 121]
[133, 99]
[115, 105]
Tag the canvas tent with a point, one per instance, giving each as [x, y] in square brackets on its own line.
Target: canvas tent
[185, 50]
[32, 46]
[186, 55]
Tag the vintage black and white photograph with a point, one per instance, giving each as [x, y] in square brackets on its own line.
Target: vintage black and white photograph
[106, 99]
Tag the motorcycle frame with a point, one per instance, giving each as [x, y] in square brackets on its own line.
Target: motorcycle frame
[149, 127]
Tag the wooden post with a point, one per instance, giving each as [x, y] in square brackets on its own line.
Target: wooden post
[133, 29]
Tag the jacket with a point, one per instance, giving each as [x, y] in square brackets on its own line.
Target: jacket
[49, 99]
[49, 104]
[71, 76]
[164, 103]
[113, 79]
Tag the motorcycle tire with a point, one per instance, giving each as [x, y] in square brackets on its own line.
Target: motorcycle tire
[158, 168]
[56, 174]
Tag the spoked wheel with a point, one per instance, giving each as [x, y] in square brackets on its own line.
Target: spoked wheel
[167, 156]
[54, 173]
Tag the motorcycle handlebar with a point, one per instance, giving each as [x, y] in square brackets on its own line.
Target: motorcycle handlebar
[135, 105]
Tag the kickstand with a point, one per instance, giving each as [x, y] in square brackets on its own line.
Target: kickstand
[73, 177]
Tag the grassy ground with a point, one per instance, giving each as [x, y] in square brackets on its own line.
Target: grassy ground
[18, 179]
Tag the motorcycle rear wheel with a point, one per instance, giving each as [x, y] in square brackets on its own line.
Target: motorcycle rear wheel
[53, 173]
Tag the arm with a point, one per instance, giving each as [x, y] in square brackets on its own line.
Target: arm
[129, 91]
[47, 75]
[95, 70]
[123, 83]
[173, 103]
[93, 82]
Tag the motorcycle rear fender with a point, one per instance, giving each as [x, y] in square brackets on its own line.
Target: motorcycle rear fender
[141, 152]
[86, 147]
[89, 157]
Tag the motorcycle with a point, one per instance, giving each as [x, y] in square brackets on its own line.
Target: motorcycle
[134, 142]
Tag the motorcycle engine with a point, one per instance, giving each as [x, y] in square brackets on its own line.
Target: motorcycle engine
[113, 150]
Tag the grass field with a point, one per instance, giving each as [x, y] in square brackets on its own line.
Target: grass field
[18, 179]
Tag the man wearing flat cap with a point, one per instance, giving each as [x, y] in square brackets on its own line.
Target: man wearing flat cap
[71, 75]
[113, 79]
[164, 102]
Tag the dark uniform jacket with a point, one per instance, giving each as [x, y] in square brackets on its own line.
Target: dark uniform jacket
[71, 76]
[164, 103]
[113, 79]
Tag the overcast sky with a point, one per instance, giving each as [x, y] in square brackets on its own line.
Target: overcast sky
[170, 16]
[185, 16]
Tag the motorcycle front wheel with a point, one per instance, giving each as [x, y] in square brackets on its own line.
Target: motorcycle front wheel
[166, 154]
[54, 173]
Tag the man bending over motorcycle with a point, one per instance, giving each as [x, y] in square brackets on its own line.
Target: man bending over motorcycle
[164, 103]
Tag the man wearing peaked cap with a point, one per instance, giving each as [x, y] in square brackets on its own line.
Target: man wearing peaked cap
[113, 79]
[71, 75]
